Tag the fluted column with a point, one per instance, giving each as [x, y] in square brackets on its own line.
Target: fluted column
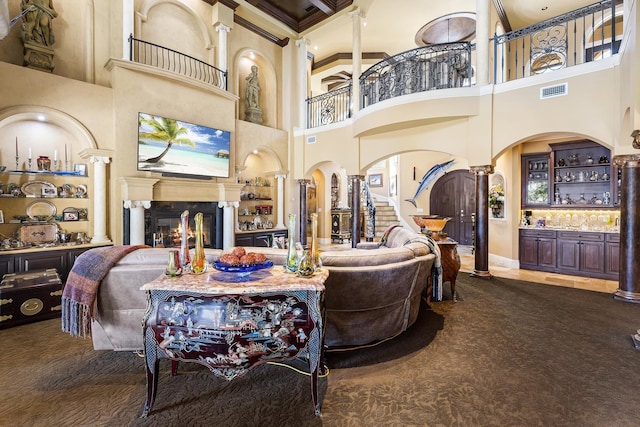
[280, 206]
[228, 230]
[99, 199]
[302, 81]
[355, 209]
[481, 267]
[222, 30]
[136, 220]
[356, 56]
[304, 209]
[629, 282]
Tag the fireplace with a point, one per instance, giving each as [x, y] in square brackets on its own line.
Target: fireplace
[162, 226]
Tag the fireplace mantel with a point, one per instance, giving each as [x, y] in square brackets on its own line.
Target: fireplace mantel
[178, 190]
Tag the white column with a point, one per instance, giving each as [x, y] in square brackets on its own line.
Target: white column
[280, 190]
[356, 57]
[302, 82]
[222, 46]
[127, 26]
[99, 199]
[482, 42]
[136, 220]
[228, 230]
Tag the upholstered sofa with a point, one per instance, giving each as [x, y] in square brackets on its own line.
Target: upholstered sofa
[370, 294]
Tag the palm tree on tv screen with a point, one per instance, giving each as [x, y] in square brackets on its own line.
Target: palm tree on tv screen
[164, 130]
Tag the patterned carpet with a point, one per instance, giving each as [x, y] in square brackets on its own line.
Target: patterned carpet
[508, 353]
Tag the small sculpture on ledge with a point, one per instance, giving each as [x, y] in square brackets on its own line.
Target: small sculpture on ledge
[252, 111]
[37, 33]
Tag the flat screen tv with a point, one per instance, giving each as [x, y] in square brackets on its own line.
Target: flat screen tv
[176, 148]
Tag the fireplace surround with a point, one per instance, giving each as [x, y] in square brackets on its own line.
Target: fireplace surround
[162, 225]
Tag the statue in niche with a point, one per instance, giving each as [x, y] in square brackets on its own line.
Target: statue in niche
[37, 33]
[253, 112]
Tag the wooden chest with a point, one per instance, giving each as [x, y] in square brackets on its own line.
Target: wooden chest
[30, 297]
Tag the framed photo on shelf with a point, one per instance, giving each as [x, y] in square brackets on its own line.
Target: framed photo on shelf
[80, 169]
[375, 180]
[70, 214]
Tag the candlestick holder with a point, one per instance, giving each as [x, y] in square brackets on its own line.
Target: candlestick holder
[54, 166]
[29, 164]
[17, 162]
[66, 166]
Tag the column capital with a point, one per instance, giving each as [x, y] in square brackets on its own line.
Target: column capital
[481, 170]
[357, 13]
[302, 42]
[358, 177]
[99, 159]
[280, 176]
[132, 204]
[303, 181]
[631, 160]
[90, 153]
[221, 28]
[222, 204]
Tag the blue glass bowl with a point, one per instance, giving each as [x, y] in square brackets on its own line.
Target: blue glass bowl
[242, 269]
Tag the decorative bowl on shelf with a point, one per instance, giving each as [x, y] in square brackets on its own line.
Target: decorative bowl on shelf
[242, 269]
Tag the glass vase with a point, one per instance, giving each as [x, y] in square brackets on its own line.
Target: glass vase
[306, 266]
[185, 259]
[174, 268]
[291, 263]
[199, 262]
[315, 250]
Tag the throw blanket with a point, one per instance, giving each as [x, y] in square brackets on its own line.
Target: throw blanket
[436, 270]
[81, 289]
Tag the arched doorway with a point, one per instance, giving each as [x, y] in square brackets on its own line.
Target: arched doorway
[454, 196]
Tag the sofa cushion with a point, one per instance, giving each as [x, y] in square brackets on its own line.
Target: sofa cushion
[359, 258]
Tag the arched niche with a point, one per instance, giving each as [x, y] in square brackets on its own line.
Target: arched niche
[47, 132]
[267, 99]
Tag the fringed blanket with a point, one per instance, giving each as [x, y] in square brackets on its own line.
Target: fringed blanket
[81, 289]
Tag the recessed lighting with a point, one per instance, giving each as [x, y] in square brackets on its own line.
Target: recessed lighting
[255, 151]
[315, 47]
[41, 117]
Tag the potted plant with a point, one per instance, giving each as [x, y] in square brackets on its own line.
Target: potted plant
[496, 200]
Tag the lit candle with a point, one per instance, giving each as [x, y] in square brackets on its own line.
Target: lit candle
[16, 146]
[65, 153]
[29, 152]
[55, 155]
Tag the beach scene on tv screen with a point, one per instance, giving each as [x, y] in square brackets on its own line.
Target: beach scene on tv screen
[172, 146]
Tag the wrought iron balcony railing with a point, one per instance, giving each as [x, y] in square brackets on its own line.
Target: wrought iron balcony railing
[168, 59]
[583, 35]
[439, 66]
[330, 107]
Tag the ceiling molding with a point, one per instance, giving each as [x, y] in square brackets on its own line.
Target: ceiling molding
[502, 15]
[261, 32]
[347, 56]
[229, 3]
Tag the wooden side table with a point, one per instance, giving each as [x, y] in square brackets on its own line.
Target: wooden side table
[450, 263]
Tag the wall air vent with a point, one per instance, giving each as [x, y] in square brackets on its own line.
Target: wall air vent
[311, 139]
[555, 90]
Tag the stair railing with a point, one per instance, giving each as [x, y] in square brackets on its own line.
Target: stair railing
[367, 197]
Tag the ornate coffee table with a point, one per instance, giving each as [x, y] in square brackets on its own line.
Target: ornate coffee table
[231, 322]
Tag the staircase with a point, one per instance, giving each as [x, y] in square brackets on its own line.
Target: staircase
[385, 216]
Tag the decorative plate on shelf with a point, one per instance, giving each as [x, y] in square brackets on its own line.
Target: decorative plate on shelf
[242, 269]
[39, 189]
[41, 210]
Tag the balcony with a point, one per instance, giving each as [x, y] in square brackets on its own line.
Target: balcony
[575, 38]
